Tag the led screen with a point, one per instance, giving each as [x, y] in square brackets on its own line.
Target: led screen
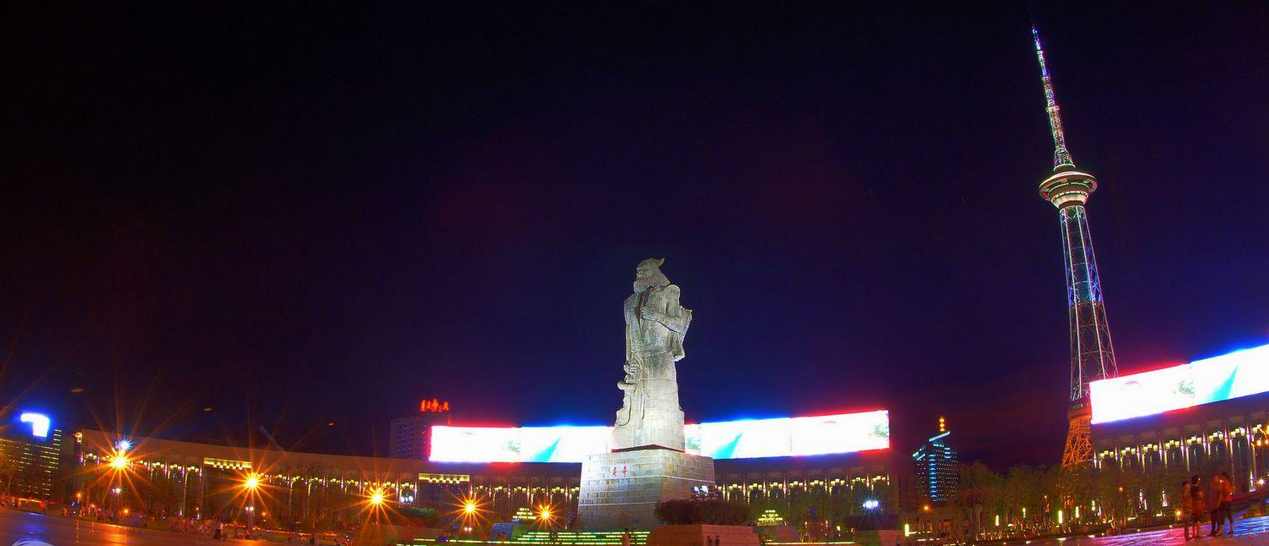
[1224, 377]
[38, 422]
[839, 433]
[739, 439]
[475, 444]
[725, 440]
[563, 444]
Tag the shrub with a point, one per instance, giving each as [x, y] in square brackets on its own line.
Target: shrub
[702, 512]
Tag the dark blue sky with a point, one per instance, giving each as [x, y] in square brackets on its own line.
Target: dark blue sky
[305, 214]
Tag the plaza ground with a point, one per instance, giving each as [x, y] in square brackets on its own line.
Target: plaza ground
[1254, 531]
[58, 531]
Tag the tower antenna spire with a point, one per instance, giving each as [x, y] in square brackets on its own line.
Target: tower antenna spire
[1061, 156]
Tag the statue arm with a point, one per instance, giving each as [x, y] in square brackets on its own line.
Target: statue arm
[677, 318]
[629, 354]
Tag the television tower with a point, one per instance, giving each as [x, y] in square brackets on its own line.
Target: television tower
[1092, 354]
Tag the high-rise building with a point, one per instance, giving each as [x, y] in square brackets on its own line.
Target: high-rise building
[32, 453]
[410, 437]
[1092, 355]
[938, 474]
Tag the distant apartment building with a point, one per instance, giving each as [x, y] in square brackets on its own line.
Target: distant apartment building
[409, 438]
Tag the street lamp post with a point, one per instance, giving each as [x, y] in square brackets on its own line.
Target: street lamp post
[376, 501]
[251, 484]
[118, 466]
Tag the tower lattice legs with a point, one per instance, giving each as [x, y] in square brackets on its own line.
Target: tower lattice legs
[1079, 438]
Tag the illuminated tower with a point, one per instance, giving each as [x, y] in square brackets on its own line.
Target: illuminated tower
[1092, 355]
[938, 473]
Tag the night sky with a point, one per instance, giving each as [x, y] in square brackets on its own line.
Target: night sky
[296, 214]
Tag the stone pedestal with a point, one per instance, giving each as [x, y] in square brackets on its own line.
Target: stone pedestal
[702, 535]
[620, 490]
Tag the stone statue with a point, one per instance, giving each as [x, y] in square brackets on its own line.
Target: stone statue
[655, 326]
[620, 489]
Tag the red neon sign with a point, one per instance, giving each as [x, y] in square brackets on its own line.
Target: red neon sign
[434, 406]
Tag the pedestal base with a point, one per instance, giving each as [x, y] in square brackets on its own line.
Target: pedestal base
[620, 490]
[703, 535]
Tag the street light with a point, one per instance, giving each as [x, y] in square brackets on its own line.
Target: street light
[118, 464]
[545, 516]
[251, 484]
[376, 503]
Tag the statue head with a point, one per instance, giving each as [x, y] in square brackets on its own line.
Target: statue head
[648, 274]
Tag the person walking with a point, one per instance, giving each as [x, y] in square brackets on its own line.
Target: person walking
[1218, 493]
[1227, 500]
[1187, 506]
[1198, 506]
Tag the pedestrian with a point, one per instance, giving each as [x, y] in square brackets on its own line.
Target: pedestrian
[1214, 500]
[1198, 504]
[1186, 507]
[1227, 501]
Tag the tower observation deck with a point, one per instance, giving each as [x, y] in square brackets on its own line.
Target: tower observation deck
[1092, 354]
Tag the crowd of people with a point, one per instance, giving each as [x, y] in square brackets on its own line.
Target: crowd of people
[1212, 501]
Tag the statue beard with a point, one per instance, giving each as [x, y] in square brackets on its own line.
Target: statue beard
[658, 279]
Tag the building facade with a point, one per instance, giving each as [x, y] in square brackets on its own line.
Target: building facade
[30, 464]
[186, 479]
[1230, 436]
[409, 438]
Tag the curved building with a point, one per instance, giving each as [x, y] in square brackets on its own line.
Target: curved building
[845, 464]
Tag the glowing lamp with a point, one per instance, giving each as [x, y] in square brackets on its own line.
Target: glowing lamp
[252, 482]
[376, 498]
[119, 462]
[469, 507]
